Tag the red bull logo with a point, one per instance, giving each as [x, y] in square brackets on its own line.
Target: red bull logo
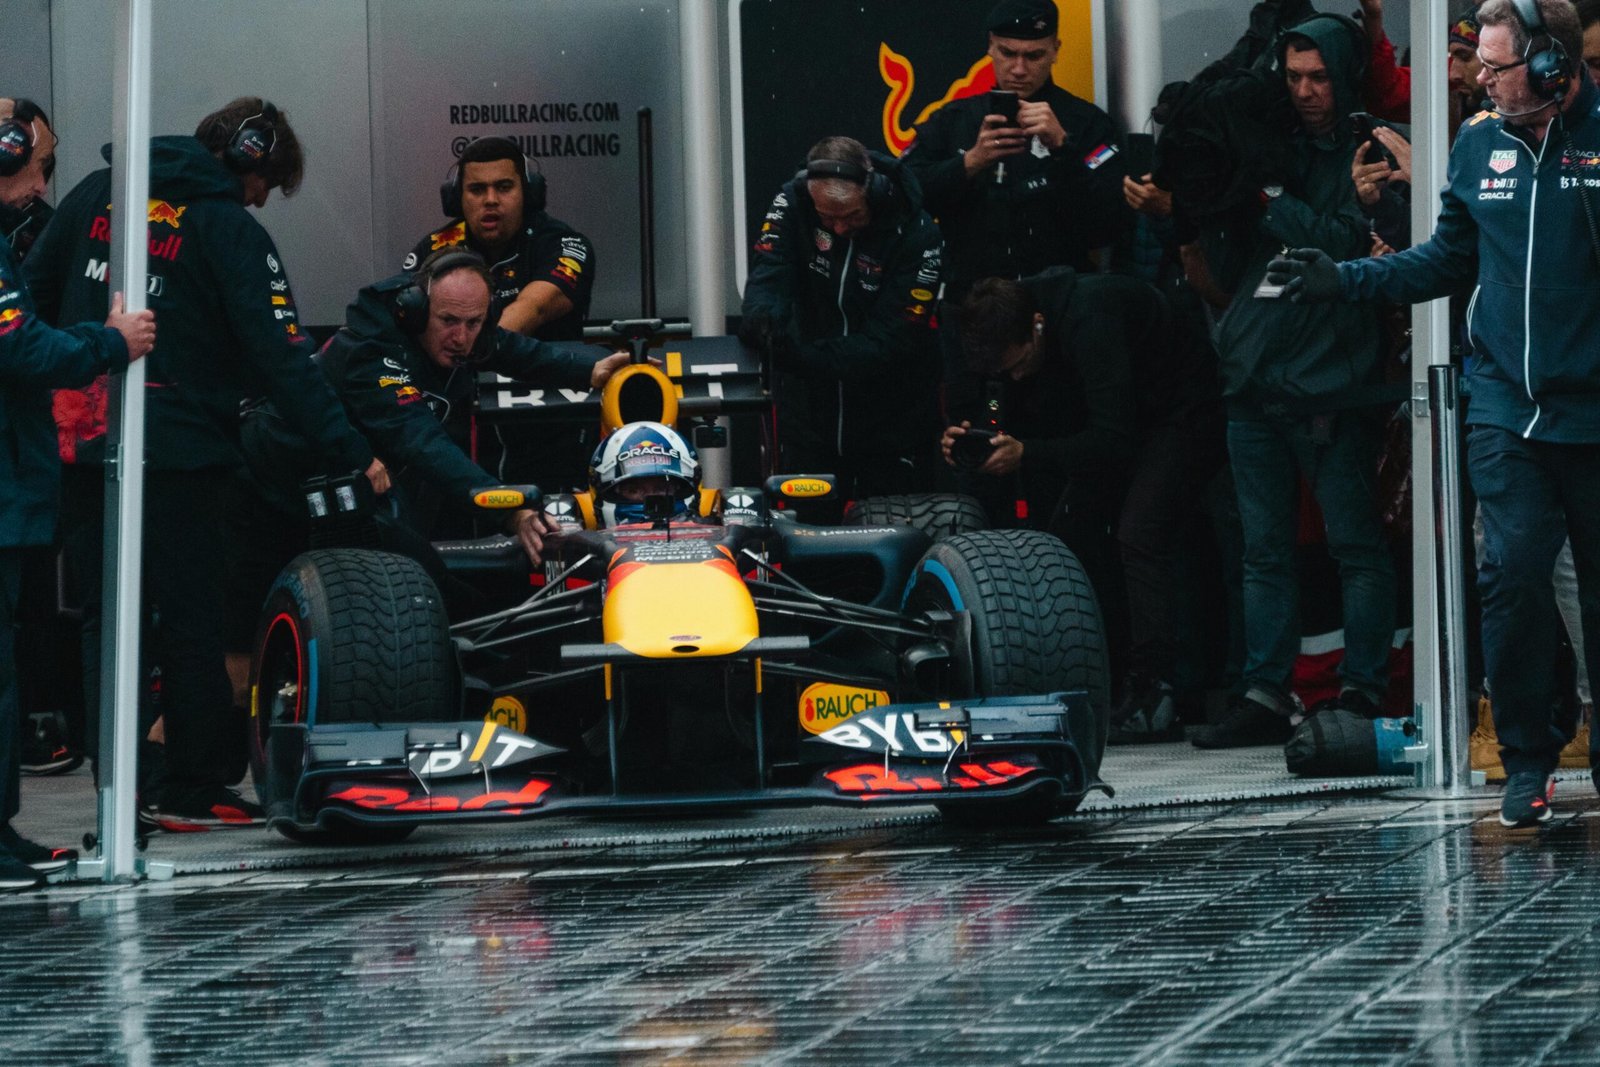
[1073, 70]
[450, 237]
[10, 319]
[901, 78]
[164, 213]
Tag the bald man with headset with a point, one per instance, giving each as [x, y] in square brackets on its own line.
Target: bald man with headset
[34, 358]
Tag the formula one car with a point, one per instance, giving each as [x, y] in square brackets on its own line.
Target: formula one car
[693, 650]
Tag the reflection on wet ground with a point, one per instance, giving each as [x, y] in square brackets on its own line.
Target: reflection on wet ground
[1324, 931]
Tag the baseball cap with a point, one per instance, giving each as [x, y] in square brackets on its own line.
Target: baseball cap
[1027, 20]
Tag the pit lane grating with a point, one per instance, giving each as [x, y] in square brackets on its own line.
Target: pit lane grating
[59, 810]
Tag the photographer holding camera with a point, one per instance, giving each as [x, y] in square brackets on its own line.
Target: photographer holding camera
[1086, 408]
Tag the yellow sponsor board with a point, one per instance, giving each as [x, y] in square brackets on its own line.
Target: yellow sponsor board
[824, 705]
[509, 712]
[804, 487]
[499, 498]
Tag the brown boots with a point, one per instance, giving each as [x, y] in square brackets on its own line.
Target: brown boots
[1484, 746]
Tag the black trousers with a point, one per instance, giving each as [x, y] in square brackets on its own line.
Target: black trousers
[1533, 496]
[186, 553]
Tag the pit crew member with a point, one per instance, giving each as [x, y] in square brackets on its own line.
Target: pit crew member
[33, 358]
[841, 294]
[543, 275]
[230, 331]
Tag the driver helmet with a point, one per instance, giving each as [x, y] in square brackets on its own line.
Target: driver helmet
[640, 460]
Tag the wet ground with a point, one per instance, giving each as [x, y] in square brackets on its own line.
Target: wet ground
[1377, 928]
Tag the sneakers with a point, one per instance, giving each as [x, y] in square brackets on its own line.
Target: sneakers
[34, 856]
[16, 875]
[1247, 723]
[44, 745]
[185, 809]
[1527, 799]
[1483, 747]
[1147, 713]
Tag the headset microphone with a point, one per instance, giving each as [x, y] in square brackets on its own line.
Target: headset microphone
[1530, 111]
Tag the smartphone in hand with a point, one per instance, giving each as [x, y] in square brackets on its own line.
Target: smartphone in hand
[1003, 102]
[1361, 126]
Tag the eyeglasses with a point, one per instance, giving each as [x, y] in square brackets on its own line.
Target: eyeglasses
[1496, 71]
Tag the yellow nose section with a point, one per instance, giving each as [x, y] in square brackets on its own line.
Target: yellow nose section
[679, 610]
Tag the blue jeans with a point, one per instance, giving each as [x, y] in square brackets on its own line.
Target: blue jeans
[1342, 473]
[1533, 496]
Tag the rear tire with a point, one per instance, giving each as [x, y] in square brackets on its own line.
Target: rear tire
[1035, 629]
[347, 636]
[939, 515]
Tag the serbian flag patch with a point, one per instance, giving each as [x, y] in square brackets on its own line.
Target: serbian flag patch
[1096, 158]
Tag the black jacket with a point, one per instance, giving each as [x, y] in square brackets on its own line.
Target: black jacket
[1278, 355]
[417, 413]
[33, 359]
[861, 377]
[547, 250]
[1115, 362]
[1050, 209]
[227, 329]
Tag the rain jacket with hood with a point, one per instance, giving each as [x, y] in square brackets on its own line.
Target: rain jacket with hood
[1298, 358]
[226, 320]
[862, 363]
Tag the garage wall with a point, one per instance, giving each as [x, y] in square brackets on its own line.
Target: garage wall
[379, 92]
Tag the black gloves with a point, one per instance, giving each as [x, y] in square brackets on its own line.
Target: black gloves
[1308, 276]
[755, 330]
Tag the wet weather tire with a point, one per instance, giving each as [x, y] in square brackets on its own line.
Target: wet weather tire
[346, 636]
[1035, 629]
[939, 515]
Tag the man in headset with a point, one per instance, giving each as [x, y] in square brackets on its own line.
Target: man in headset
[840, 295]
[1520, 215]
[33, 358]
[405, 367]
[230, 332]
[542, 273]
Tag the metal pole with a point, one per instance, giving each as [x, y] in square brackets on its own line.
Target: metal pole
[1138, 47]
[1444, 399]
[705, 192]
[1436, 681]
[647, 216]
[120, 683]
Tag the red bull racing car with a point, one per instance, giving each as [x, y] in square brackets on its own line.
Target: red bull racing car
[687, 649]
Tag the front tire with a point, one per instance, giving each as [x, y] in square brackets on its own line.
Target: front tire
[1035, 628]
[347, 636]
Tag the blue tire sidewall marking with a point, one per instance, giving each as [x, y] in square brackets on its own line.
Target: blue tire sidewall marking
[946, 579]
[311, 682]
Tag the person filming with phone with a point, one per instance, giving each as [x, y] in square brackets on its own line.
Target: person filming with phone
[1087, 408]
[1028, 176]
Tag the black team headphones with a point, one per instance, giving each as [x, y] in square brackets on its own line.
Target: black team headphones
[1549, 68]
[251, 145]
[534, 191]
[18, 135]
[411, 300]
[879, 186]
